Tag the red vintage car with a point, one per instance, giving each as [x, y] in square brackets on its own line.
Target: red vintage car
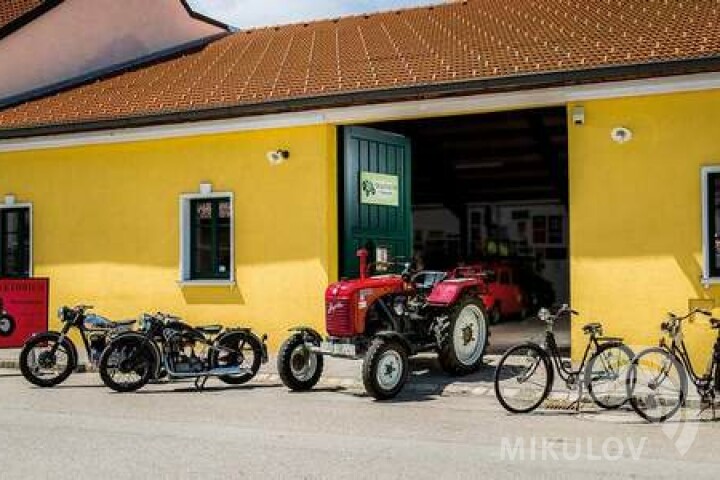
[505, 296]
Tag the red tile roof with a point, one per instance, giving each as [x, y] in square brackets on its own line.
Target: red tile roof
[11, 10]
[468, 41]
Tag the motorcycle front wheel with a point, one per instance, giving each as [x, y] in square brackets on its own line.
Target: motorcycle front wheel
[126, 365]
[47, 361]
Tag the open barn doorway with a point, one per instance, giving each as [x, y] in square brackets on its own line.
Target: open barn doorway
[487, 190]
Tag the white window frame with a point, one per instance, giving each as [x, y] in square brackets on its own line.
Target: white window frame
[29, 206]
[706, 247]
[186, 235]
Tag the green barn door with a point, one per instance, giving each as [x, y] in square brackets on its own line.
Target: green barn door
[377, 212]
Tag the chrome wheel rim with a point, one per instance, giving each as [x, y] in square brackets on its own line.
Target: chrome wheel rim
[4, 325]
[303, 363]
[469, 335]
[389, 370]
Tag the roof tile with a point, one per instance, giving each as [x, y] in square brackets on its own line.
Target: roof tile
[11, 10]
[460, 41]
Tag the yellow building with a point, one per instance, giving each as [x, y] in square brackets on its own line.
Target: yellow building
[223, 184]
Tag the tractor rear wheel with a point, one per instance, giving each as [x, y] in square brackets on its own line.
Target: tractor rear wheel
[385, 369]
[467, 337]
[299, 368]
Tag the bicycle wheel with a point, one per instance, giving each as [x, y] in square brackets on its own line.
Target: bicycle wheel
[605, 375]
[656, 384]
[523, 378]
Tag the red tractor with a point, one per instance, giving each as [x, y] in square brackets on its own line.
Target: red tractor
[387, 318]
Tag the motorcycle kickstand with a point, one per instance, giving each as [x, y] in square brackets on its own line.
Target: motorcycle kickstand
[200, 383]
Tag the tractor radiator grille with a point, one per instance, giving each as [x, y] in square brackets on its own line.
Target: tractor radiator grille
[337, 318]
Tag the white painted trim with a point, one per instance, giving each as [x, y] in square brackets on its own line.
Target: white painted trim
[385, 111]
[184, 278]
[29, 206]
[705, 173]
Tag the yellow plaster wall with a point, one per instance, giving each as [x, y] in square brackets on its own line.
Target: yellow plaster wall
[106, 225]
[635, 214]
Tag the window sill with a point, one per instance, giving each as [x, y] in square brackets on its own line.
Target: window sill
[207, 283]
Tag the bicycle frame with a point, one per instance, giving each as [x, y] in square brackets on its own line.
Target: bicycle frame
[679, 351]
[564, 372]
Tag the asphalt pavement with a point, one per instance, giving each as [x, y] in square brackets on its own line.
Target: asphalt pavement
[82, 430]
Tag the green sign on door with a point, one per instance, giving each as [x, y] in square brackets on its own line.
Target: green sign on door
[379, 189]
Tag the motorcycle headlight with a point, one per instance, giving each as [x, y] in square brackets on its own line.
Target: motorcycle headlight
[544, 314]
[61, 313]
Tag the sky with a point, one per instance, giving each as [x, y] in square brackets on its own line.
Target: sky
[258, 13]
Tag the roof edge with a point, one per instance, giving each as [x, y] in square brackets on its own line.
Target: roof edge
[204, 18]
[28, 17]
[401, 94]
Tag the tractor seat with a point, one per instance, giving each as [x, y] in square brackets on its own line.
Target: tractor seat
[210, 329]
[715, 323]
[592, 328]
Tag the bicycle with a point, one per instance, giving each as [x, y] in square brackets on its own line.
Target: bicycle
[664, 370]
[526, 372]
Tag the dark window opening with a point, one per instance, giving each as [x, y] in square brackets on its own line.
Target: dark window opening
[15, 242]
[210, 242]
[713, 209]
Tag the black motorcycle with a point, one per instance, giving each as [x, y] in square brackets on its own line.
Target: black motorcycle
[48, 358]
[7, 322]
[167, 347]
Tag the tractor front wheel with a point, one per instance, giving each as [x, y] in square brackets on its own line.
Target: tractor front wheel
[467, 337]
[299, 368]
[385, 369]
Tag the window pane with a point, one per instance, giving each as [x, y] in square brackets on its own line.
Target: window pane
[714, 220]
[202, 236]
[15, 243]
[555, 229]
[539, 229]
[211, 242]
[223, 239]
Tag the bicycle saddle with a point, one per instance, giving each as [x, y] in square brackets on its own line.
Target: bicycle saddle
[209, 329]
[594, 327]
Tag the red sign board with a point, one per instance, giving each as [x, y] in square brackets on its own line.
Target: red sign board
[25, 301]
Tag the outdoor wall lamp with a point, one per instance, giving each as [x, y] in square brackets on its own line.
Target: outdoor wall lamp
[276, 157]
[621, 135]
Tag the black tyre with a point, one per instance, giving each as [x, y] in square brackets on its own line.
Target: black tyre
[43, 367]
[7, 325]
[523, 378]
[385, 369]
[657, 384]
[247, 354]
[495, 314]
[299, 368]
[606, 374]
[126, 365]
[467, 340]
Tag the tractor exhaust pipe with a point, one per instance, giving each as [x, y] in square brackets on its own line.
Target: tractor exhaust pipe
[362, 254]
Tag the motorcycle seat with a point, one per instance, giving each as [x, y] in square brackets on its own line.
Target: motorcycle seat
[210, 329]
[593, 327]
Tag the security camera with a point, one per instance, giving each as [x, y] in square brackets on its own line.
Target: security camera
[276, 157]
[578, 115]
